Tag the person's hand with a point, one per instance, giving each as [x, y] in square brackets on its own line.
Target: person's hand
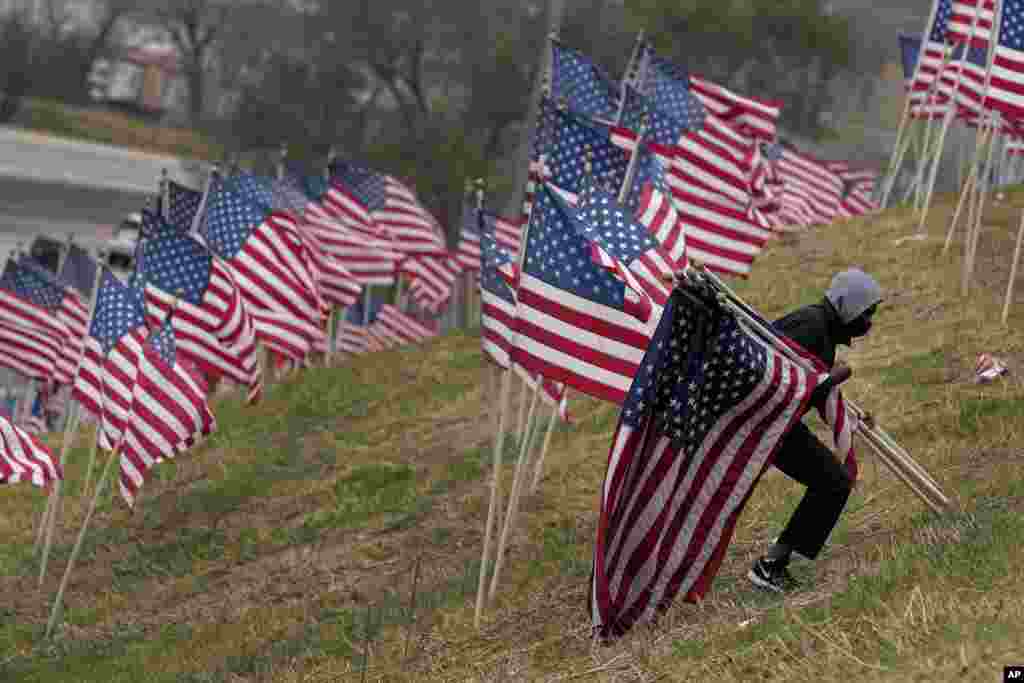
[840, 373]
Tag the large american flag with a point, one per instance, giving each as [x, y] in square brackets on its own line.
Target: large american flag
[212, 322]
[580, 82]
[701, 422]
[813, 181]
[169, 413]
[23, 458]
[106, 375]
[260, 249]
[1006, 87]
[497, 299]
[576, 322]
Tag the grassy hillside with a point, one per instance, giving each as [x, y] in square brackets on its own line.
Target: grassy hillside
[287, 548]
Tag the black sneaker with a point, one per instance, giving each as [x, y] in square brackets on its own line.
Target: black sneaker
[772, 575]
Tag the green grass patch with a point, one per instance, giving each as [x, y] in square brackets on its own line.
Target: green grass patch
[369, 490]
[976, 411]
[917, 369]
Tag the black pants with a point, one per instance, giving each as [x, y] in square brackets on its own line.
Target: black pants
[803, 457]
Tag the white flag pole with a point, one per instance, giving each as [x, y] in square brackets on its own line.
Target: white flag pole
[492, 509]
[70, 429]
[1013, 271]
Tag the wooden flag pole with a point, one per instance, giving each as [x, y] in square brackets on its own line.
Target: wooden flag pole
[1013, 270]
[972, 178]
[905, 117]
[630, 74]
[492, 509]
[922, 163]
[513, 501]
[544, 449]
[536, 392]
[974, 230]
[55, 611]
[70, 426]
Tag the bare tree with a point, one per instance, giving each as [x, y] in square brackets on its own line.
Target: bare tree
[195, 26]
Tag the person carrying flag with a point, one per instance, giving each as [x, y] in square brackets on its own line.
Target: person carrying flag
[844, 314]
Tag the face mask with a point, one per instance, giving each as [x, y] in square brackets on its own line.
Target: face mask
[858, 327]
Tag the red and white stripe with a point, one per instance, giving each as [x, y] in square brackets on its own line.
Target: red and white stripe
[169, 414]
[569, 339]
[752, 116]
[1006, 86]
[352, 338]
[962, 20]
[497, 327]
[341, 203]
[24, 458]
[410, 225]
[278, 288]
[29, 351]
[433, 280]
[218, 335]
[371, 261]
[407, 328]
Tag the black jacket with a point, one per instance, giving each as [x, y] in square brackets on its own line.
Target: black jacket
[817, 328]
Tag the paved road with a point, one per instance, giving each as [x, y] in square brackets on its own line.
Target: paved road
[56, 187]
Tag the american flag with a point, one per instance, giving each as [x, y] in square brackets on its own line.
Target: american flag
[106, 375]
[507, 232]
[813, 181]
[352, 195]
[468, 251]
[934, 51]
[403, 326]
[79, 271]
[573, 137]
[965, 81]
[336, 284]
[67, 316]
[412, 228]
[182, 205]
[963, 16]
[654, 207]
[23, 458]
[433, 279]
[1006, 87]
[352, 338]
[624, 242]
[702, 420]
[575, 323]
[371, 261]
[719, 231]
[750, 116]
[262, 251]
[212, 323]
[28, 350]
[497, 298]
[580, 82]
[169, 413]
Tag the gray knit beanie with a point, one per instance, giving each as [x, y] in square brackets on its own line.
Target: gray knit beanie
[852, 292]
